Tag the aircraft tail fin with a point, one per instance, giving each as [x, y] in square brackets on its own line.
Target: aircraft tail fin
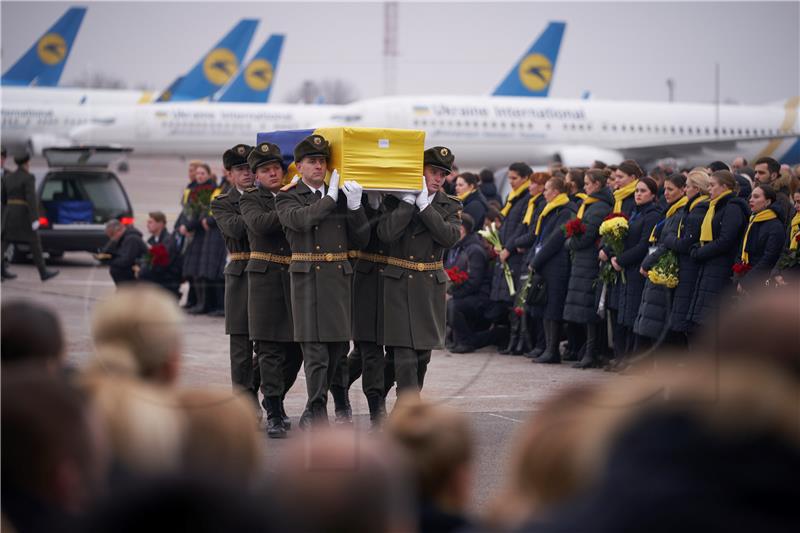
[218, 66]
[533, 73]
[43, 63]
[254, 82]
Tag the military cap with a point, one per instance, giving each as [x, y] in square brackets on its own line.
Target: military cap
[312, 145]
[264, 153]
[440, 157]
[22, 158]
[235, 156]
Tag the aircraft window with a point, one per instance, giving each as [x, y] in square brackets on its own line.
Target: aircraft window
[649, 128]
[458, 123]
[762, 132]
[740, 131]
[724, 131]
[547, 125]
[747, 131]
[680, 129]
[624, 127]
[494, 124]
[641, 128]
[707, 131]
[672, 129]
[605, 127]
[716, 131]
[613, 127]
[503, 125]
[689, 130]
[580, 127]
[484, 123]
[589, 127]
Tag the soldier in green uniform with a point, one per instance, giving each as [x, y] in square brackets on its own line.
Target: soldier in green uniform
[225, 208]
[269, 304]
[20, 216]
[321, 226]
[417, 228]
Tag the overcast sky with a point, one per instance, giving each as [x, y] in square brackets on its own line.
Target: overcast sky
[617, 50]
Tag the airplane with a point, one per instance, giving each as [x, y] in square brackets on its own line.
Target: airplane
[218, 66]
[532, 75]
[254, 82]
[43, 63]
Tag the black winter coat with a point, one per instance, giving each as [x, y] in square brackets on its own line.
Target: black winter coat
[213, 253]
[628, 205]
[125, 253]
[476, 207]
[764, 246]
[656, 306]
[643, 219]
[580, 305]
[489, 191]
[551, 260]
[470, 256]
[716, 258]
[511, 230]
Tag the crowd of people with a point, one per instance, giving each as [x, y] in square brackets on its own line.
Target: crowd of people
[120, 444]
[596, 265]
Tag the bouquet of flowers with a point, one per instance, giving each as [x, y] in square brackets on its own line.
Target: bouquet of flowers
[157, 256]
[790, 258]
[613, 231]
[740, 269]
[456, 275]
[665, 271]
[492, 236]
[574, 227]
[522, 295]
[199, 200]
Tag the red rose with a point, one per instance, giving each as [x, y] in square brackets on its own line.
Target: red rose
[797, 237]
[456, 275]
[519, 311]
[159, 255]
[740, 269]
[574, 227]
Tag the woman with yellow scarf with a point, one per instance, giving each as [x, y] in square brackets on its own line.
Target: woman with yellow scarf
[654, 311]
[550, 260]
[763, 239]
[472, 198]
[721, 234]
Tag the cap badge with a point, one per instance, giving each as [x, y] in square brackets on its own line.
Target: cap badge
[265, 148]
[240, 149]
[317, 140]
[444, 152]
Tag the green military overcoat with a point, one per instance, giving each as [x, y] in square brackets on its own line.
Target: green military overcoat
[321, 289]
[22, 207]
[414, 301]
[368, 287]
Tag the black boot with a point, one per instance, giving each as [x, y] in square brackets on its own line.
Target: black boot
[550, 355]
[343, 413]
[200, 289]
[539, 343]
[377, 411]
[588, 360]
[513, 338]
[218, 290]
[524, 342]
[287, 422]
[275, 429]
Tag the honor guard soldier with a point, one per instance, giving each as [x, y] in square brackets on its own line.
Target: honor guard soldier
[321, 227]
[225, 208]
[20, 216]
[269, 304]
[418, 228]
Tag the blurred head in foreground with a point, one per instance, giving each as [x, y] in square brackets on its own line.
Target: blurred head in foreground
[31, 333]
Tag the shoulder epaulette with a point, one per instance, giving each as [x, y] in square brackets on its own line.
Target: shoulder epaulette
[455, 198]
[251, 189]
[289, 186]
[220, 196]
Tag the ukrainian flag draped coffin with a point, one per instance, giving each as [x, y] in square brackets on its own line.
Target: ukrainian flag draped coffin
[377, 158]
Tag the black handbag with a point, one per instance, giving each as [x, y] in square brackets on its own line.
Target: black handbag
[537, 293]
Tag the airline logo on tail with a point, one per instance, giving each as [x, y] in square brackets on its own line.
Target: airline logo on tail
[535, 72]
[52, 49]
[258, 74]
[220, 65]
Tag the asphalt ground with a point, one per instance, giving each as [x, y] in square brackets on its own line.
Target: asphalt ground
[497, 392]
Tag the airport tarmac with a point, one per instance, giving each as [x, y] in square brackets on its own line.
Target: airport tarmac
[497, 392]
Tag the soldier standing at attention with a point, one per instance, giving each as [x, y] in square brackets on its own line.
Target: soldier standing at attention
[418, 228]
[321, 226]
[225, 208]
[20, 216]
[269, 303]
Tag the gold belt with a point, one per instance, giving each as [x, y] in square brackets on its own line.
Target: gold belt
[402, 263]
[272, 258]
[329, 257]
[239, 256]
[16, 201]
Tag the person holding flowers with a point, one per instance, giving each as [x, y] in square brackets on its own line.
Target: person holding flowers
[789, 263]
[580, 306]
[550, 260]
[660, 268]
[690, 217]
[763, 239]
[643, 219]
[721, 234]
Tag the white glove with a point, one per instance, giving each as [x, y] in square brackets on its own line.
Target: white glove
[422, 200]
[352, 190]
[374, 199]
[35, 225]
[407, 197]
[333, 185]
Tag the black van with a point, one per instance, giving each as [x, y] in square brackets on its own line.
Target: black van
[77, 196]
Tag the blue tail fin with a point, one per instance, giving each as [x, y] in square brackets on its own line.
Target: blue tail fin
[533, 73]
[166, 96]
[254, 82]
[218, 66]
[43, 63]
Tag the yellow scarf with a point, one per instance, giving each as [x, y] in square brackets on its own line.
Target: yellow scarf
[558, 201]
[706, 233]
[582, 195]
[515, 193]
[622, 193]
[586, 202]
[794, 229]
[530, 210]
[671, 211]
[463, 195]
[761, 216]
[694, 203]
